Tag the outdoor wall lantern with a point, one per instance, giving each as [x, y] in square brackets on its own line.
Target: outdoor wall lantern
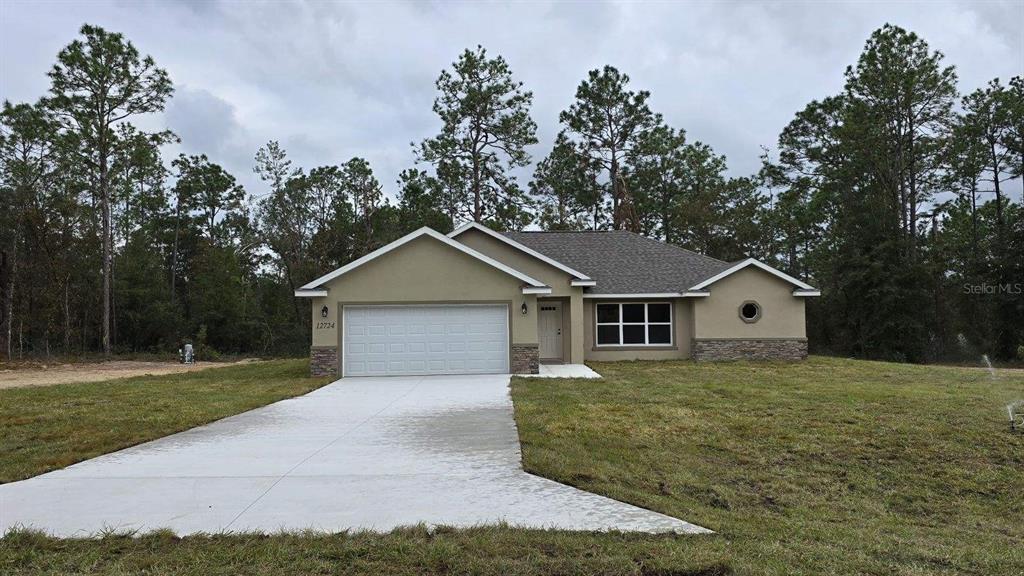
[323, 312]
[523, 308]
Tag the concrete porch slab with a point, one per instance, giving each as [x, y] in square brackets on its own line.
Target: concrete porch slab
[563, 371]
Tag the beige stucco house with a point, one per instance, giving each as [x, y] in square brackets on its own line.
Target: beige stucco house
[480, 301]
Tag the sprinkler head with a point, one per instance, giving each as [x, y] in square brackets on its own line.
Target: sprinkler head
[1015, 410]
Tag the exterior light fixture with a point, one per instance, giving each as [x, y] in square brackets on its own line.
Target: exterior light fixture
[323, 312]
[523, 308]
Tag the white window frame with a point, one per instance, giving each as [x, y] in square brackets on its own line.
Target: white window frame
[646, 323]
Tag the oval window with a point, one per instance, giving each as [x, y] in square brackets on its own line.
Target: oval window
[750, 311]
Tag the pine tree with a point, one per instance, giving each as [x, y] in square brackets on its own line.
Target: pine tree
[486, 127]
[606, 121]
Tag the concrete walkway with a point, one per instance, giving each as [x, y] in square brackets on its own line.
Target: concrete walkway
[563, 371]
[371, 453]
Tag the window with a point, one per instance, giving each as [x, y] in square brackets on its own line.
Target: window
[750, 311]
[634, 324]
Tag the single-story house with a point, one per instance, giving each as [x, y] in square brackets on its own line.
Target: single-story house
[479, 301]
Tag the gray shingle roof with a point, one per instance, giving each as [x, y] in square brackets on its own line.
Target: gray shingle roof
[624, 262]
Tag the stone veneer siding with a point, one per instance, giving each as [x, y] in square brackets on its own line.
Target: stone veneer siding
[525, 358]
[753, 349]
[323, 361]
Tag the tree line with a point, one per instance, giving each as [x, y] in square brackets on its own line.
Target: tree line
[891, 196]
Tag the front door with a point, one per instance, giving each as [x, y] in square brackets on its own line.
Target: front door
[549, 323]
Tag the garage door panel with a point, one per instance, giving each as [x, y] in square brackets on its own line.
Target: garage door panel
[408, 340]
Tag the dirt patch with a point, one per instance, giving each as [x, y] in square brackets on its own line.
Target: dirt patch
[48, 375]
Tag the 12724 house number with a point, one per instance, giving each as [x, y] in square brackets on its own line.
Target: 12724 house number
[324, 325]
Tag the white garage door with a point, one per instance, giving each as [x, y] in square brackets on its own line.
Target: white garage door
[408, 340]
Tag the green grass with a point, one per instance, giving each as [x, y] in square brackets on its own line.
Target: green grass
[824, 467]
[415, 551]
[49, 427]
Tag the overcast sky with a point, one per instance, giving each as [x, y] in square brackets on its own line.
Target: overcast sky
[335, 80]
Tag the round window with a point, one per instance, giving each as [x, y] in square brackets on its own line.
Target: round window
[750, 311]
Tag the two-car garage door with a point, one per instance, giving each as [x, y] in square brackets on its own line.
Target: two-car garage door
[411, 340]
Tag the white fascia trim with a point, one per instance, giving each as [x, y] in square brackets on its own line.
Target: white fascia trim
[533, 290]
[583, 283]
[302, 293]
[425, 231]
[703, 294]
[806, 292]
[497, 236]
[647, 295]
[758, 264]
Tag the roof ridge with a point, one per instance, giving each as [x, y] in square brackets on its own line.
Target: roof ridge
[695, 253]
[559, 231]
[623, 262]
[671, 245]
[645, 237]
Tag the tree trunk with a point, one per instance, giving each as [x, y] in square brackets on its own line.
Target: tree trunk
[613, 174]
[367, 218]
[174, 253]
[974, 218]
[999, 194]
[912, 197]
[107, 248]
[67, 317]
[291, 285]
[477, 212]
[664, 218]
[113, 305]
[12, 268]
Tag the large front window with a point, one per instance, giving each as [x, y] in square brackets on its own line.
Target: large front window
[634, 324]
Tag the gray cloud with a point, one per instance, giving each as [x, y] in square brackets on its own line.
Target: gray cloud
[336, 80]
[208, 125]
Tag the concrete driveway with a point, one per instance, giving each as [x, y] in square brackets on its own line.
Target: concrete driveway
[362, 453]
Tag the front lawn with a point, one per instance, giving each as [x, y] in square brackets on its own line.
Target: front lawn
[45, 428]
[824, 467]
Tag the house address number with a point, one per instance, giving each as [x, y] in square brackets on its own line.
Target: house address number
[324, 325]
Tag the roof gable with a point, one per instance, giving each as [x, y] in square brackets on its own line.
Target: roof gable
[314, 288]
[803, 289]
[522, 248]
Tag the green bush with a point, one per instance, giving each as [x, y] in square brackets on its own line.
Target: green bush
[203, 351]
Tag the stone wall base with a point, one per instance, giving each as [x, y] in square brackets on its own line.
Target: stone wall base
[525, 358]
[323, 361]
[754, 349]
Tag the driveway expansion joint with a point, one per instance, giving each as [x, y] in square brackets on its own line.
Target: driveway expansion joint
[317, 451]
